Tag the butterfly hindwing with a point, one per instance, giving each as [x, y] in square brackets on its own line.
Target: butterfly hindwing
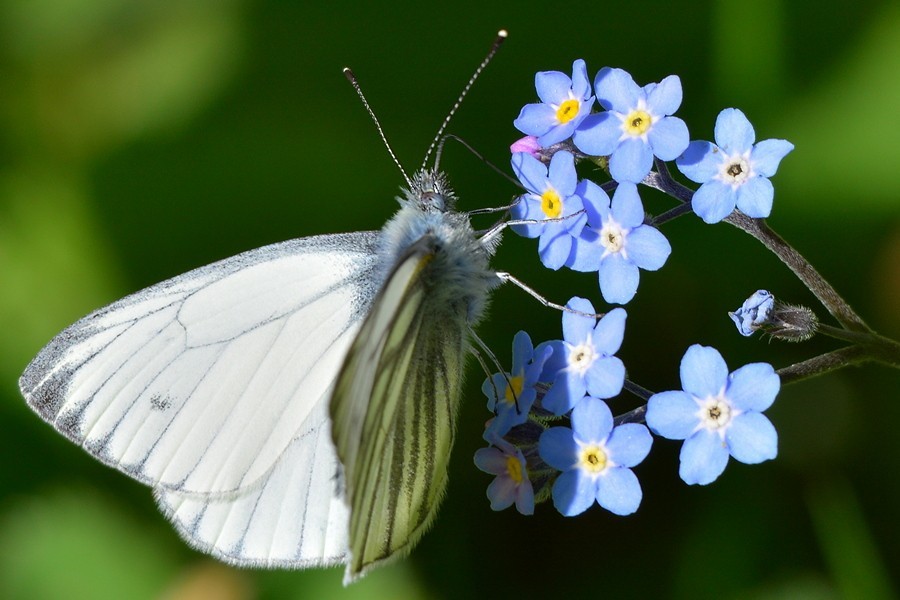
[199, 384]
[394, 411]
[292, 519]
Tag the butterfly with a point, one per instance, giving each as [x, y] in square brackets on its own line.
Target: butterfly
[292, 406]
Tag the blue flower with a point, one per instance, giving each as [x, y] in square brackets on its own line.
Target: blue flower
[551, 195]
[516, 389]
[733, 171]
[636, 125]
[616, 242]
[754, 312]
[511, 484]
[583, 361]
[718, 414]
[596, 460]
[564, 104]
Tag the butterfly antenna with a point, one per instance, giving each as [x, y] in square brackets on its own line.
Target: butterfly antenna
[498, 41]
[353, 81]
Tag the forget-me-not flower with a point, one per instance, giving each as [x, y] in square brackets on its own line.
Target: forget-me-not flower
[551, 195]
[564, 104]
[718, 414]
[583, 361]
[616, 242]
[733, 172]
[595, 459]
[511, 484]
[516, 389]
[636, 126]
[754, 312]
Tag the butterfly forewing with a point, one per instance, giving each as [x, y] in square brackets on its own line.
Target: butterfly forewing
[393, 412]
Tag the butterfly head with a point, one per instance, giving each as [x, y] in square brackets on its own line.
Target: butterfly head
[429, 191]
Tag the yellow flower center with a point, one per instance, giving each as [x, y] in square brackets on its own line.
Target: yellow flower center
[567, 111]
[514, 469]
[593, 459]
[514, 389]
[551, 203]
[637, 123]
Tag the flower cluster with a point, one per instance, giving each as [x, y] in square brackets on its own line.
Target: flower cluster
[552, 434]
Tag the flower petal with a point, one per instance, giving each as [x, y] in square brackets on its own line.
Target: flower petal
[605, 378]
[535, 119]
[629, 444]
[631, 161]
[703, 371]
[598, 134]
[530, 171]
[734, 133]
[558, 133]
[752, 438]
[647, 248]
[552, 86]
[525, 498]
[700, 161]
[665, 97]
[610, 331]
[672, 414]
[555, 246]
[562, 173]
[520, 211]
[501, 492]
[577, 328]
[713, 201]
[555, 362]
[581, 85]
[703, 458]
[668, 138]
[767, 155]
[567, 389]
[595, 201]
[754, 198]
[753, 387]
[557, 448]
[592, 421]
[573, 493]
[586, 252]
[616, 90]
[619, 491]
[490, 460]
[619, 279]
[626, 206]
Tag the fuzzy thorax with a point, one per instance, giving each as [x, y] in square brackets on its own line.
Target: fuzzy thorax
[458, 277]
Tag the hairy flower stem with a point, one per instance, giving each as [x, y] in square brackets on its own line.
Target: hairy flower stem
[662, 180]
[824, 363]
[878, 348]
[804, 271]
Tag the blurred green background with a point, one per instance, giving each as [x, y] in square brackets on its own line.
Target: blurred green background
[140, 139]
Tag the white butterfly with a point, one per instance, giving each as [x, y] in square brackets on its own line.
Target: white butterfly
[293, 406]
